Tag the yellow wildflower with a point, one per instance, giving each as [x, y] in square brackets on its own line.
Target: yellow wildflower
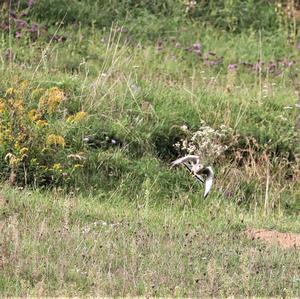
[7, 134]
[2, 106]
[76, 166]
[33, 115]
[51, 99]
[23, 150]
[42, 123]
[79, 116]
[56, 166]
[55, 140]
[9, 91]
[55, 96]
[17, 105]
[17, 145]
[22, 87]
[12, 160]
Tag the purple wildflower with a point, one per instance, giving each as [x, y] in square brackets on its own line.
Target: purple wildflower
[21, 24]
[34, 27]
[30, 3]
[18, 34]
[257, 66]
[232, 66]
[213, 62]
[196, 48]
[287, 63]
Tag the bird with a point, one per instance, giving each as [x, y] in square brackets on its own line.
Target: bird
[193, 165]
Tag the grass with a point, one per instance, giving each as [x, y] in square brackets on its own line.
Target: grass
[73, 245]
[141, 95]
[121, 222]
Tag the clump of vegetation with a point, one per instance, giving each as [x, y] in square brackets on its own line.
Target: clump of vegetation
[34, 125]
[153, 19]
[207, 143]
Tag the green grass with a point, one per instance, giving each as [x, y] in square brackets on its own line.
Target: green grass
[142, 96]
[124, 223]
[73, 246]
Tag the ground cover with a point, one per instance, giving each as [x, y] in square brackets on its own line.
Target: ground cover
[92, 114]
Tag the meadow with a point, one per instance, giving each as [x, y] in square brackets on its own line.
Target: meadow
[146, 83]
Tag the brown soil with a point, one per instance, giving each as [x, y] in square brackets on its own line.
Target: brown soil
[285, 240]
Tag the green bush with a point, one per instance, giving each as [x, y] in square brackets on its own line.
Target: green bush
[41, 144]
[232, 15]
[237, 15]
[33, 129]
[101, 13]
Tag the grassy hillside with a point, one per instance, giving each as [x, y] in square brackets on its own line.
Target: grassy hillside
[96, 100]
[74, 246]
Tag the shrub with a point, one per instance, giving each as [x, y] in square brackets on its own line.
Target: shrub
[34, 124]
[232, 15]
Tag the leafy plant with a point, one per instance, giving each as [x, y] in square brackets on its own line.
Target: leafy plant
[33, 126]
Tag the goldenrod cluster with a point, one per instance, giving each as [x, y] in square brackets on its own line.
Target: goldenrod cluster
[51, 100]
[79, 116]
[2, 106]
[55, 140]
[28, 132]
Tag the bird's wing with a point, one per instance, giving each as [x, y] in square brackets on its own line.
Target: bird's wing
[209, 180]
[187, 158]
[198, 177]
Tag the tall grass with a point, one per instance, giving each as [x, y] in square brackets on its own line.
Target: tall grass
[142, 95]
[94, 98]
[55, 245]
[157, 17]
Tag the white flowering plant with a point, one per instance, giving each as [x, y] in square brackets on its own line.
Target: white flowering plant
[208, 143]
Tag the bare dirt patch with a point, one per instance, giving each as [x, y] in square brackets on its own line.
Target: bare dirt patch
[285, 240]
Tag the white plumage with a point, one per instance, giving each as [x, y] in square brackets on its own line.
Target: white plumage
[192, 163]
